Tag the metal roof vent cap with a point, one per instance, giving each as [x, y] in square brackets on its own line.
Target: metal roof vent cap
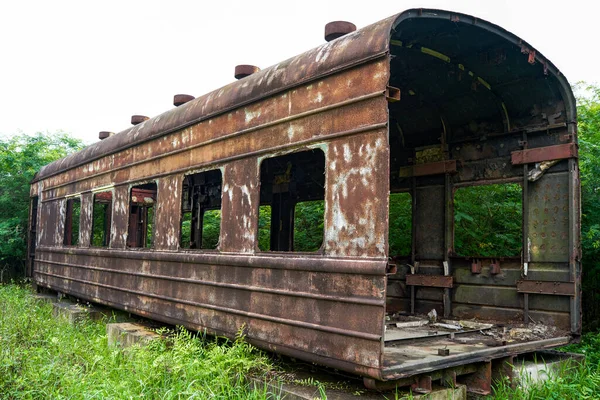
[180, 99]
[242, 71]
[336, 29]
[104, 134]
[138, 119]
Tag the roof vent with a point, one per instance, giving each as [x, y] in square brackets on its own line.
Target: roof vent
[138, 119]
[180, 99]
[242, 71]
[104, 134]
[336, 29]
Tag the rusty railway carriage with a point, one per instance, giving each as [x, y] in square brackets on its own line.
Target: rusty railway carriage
[425, 103]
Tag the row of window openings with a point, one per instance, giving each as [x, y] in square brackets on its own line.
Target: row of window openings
[291, 213]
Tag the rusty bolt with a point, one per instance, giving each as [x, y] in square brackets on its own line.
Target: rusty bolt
[336, 29]
[180, 99]
[244, 70]
[138, 119]
[104, 134]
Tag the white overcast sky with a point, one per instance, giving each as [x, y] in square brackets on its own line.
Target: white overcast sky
[83, 67]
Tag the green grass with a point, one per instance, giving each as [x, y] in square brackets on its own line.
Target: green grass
[42, 357]
[573, 380]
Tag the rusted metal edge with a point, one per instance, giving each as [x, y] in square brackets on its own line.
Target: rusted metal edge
[106, 147]
[402, 371]
[440, 281]
[311, 263]
[360, 369]
[434, 168]
[224, 160]
[300, 324]
[546, 287]
[547, 153]
[342, 299]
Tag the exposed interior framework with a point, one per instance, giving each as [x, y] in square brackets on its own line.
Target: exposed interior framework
[470, 99]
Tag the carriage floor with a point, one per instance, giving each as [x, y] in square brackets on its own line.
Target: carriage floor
[416, 345]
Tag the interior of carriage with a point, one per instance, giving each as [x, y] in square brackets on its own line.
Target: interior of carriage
[469, 98]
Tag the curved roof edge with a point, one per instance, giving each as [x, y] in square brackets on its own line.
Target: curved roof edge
[357, 47]
[565, 87]
[366, 43]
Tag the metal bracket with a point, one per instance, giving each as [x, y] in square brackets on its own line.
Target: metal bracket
[392, 94]
[476, 266]
[547, 153]
[494, 267]
[546, 287]
[430, 280]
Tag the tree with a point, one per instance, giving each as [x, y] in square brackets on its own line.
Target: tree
[21, 156]
[588, 113]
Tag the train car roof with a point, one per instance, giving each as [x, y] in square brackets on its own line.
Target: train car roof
[368, 43]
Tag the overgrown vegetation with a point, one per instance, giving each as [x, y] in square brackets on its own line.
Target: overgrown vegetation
[588, 113]
[488, 221]
[42, 357]
[571, 380]
[21, 156]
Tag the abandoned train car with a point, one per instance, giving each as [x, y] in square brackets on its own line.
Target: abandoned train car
[426, 104]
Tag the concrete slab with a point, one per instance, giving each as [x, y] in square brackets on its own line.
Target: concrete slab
[47, 297]
[75, 313]
[127, 334]
[540, 367]
[290, 391]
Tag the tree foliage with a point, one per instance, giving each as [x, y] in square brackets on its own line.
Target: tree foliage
[588, 112]
[21, 156]
[488, 221]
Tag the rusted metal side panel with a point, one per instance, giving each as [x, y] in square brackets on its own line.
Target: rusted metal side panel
[85, 228]
[353, 49]
[168, 213]
[328, 107]
[356, 219]
[120, 217]
[279, 302]
[239, 221]
[548, 218]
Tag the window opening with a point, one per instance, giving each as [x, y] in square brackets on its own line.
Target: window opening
[72, 220]
[264, 227]
[488, 220]
[201, 210]
[101, 219]
[400, 225]
[292, 186]
[309, 218]
[142, 200]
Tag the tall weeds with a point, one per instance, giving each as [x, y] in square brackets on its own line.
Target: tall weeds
[42, 357]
